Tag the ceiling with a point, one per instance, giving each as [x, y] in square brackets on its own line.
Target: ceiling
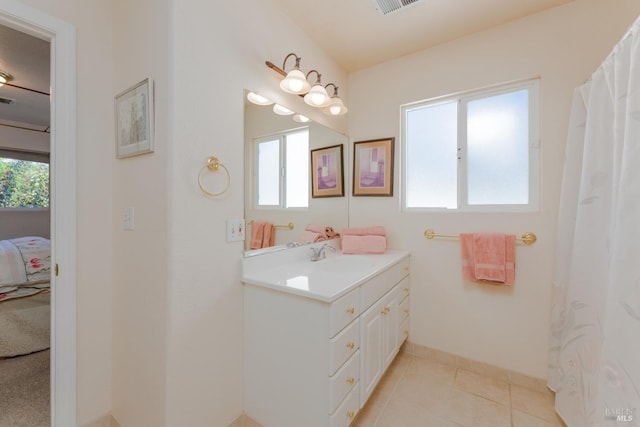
[26, 58]
[352, 32]
[356, 36]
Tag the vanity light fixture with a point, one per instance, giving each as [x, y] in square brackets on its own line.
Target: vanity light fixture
[283, 111]
[336, 107]
[296, 82]
[5, 77]
[317, 96]
[257, 99]
[300, 118]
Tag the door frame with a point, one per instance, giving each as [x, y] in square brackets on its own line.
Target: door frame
[62, 37]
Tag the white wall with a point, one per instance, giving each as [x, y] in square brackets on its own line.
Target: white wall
[507, 327]
[24, 222]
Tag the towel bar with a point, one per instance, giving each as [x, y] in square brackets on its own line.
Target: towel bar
[290, 226]
[528, 238]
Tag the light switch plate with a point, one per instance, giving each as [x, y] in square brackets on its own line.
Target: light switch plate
[235, 230]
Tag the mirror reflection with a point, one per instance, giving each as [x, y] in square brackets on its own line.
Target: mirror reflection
[281, 210]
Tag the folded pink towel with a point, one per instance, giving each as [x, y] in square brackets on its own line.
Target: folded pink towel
[315, 228]
[309, 237]
[488, 257]
[352, 244]
[262, 235]
[365, 231]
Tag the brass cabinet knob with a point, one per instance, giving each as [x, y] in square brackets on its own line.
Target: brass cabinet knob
[406, 310]
[406, 290]
[351, 414]
[351, 310]
[351, 344]
[351, 380]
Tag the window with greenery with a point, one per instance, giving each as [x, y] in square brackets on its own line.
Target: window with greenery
[23, 183]
[473, 152]
[282, 170]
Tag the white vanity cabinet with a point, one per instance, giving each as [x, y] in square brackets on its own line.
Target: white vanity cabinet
[306, 354]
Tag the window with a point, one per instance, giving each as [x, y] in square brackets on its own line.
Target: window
[474, 152]
[24, 182]
[282, 170]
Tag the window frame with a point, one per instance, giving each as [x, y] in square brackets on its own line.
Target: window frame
[281, 137]
[462, 99]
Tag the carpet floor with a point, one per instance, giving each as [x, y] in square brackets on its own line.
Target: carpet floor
[25, 391]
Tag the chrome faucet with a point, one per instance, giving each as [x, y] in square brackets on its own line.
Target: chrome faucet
[318, 253]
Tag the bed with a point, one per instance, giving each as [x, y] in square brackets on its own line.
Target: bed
[25, 272]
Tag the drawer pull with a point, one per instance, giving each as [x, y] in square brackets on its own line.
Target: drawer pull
[351, 380]
[351, 345]
[405, 268]
[406, 290]
[406, 311]
[386, 310]
[351, 414]
[351, 310]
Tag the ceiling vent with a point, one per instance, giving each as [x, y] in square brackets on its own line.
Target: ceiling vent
[385, 7]
[7, 101]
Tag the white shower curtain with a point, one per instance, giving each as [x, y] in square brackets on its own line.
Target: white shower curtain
[594, 359]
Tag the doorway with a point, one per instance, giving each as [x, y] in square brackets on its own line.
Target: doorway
[61, 36]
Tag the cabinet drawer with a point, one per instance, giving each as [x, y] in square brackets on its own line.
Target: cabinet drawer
[343, 311]
[404, 288]
[343, 381]
[375, 288]
[403, 310]
[348, 409]
[403, 331]
[343, 345]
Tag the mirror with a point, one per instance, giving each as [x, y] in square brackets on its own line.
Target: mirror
[273, 144]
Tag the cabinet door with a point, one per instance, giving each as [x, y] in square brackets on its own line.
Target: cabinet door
[389, 327]
[371, 350]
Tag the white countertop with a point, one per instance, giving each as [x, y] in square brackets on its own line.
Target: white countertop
[325, 280]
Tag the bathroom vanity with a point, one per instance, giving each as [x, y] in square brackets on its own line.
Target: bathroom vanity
[319, 335]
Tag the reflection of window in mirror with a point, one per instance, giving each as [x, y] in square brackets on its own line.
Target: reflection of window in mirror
[282, 165]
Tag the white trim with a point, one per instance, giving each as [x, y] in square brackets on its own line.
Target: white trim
[62, 36]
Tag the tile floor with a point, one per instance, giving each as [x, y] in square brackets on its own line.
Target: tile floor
[422, 392]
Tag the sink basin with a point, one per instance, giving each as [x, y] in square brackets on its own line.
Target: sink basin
[344, 263]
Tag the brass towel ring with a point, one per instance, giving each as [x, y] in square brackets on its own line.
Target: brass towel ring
[213, 165]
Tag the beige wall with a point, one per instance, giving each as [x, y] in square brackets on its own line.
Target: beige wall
[500, 326]
[24, 222]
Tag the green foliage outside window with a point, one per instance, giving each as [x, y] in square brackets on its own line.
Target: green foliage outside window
[23, 184]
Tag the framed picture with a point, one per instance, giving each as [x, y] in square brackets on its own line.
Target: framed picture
[134, 120]
[327, 172]
[373, 167]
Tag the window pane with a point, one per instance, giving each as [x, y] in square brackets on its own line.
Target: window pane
[23, 184]
[432, 156]
[297, 179]
[498, 149]
[269, 173]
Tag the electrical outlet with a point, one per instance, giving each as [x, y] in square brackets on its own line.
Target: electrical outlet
[235, 230]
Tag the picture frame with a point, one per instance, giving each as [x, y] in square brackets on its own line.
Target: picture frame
[327, 172]
[373, 167]
[134, 120]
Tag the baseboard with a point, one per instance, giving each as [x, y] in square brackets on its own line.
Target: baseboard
[104, 421]
[502, 374]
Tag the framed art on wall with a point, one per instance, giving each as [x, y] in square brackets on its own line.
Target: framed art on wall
[327, 172]
[134, 120]
[373, 167]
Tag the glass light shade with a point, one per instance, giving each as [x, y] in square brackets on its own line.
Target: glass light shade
[301, 118]
[336, 107]
[283, 111]
[254, 98]
[295, 83]
[317, 97]
[5, 77]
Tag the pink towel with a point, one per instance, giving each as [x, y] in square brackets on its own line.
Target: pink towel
[307, 236]
[352, 244]
[488, 257]
[262, 235]
[365, 231]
